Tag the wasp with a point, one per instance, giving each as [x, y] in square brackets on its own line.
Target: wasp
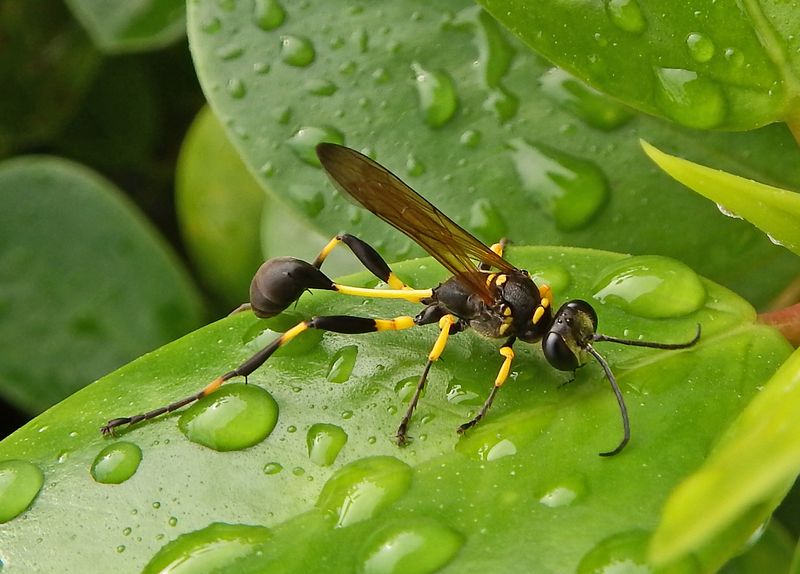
[486, 293]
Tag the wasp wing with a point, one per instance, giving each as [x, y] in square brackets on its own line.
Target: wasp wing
[385, 195]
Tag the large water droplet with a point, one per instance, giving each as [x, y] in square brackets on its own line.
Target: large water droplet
[361, 489]
[555, 276]
[116, 463]
[588, 104]
[218, 547]
[437, 95]
[689, 99]
[342, 363]
[626, 553]
[272, 468]
[459, 393]
[572, 190]
[324, 442]
[700, 47]
[20, 482]
[405, 388]
[304, 142]
[415, 546]
[651, 286]
[268, 14]
[486, 221]
[235, 417]
[626, 15]
[564, 493]
[297, 51]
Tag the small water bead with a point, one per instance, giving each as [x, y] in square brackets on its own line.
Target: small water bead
[437, 95]
[700, 47]
[324, 442]
[297, 51]
[626, 15]
[229, 51]
[341, 365]
[236, 88]
[311, 201]
[487, 221]
[414, 546]
[502, 103]
[565, 492]
[20, 482]
[690, 99]
[235, 417]
[272, 468]
[268, 14]
[218, 547]
[304, 142]
[381, 76]
[116, 463]
[470, 138]
[211, 25]
[651, 286]
[459, 394]
[572, 190]
[361, 489]
[320, 87]
[414, 167]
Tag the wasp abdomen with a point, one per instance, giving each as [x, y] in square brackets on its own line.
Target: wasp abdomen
[279, 282]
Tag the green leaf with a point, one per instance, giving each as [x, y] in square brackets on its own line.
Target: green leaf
[525, 151]
[132, 26]
[526, 484]
[758, 460]
[770, 551]
[86, 284]
[773, 210]
[702, 64]
[47, 63]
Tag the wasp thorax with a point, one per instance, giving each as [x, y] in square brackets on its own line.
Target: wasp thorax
[573, 328]
[279, 282]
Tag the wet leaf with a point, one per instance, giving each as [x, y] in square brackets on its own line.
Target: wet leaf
[86, 285]
[492, 134]
[702, 64]
[527, 482]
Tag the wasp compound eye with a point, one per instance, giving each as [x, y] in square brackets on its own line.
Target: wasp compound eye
[558, 353]
[279, 282]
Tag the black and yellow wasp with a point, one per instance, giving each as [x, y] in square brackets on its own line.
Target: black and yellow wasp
[485, 293]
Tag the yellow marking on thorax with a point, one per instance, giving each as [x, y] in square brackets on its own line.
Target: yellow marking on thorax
[537, 315]
[489, 278]
[502, 278]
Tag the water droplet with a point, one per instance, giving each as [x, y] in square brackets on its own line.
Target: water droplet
[311, 201]
[361, 489]
[651, 286]
[229, 51]
[347, 415]
[564, 493]
[235, 417]
[734, 56]
[727, 212]
[486, 221]
[172, 521]
[626, 553]
[324, 442]
[236, 88]
[268, 14]
[348, 68]
[272, 468]
[689, 99]
[218, 547]
[502, 103]
[116, 463]
[405, 388]
[415, 546]
[297, 51]
[554, 275]
[360, 38]
[211, 25]
[381, 76]
[572, 190]
[298, 471]
[342, 363]
[458, 393]
[626, 15]
[437, 95]
[470, 138]
[261, 68]
[585, 102]
[321, 87]
[700, 47]
[20, 482]
[304, 142]
[414, 167]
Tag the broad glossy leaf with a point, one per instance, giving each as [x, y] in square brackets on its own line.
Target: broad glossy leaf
[770, 551]
[468, 116]
[85, 284]
[47, 63]
[774, 211]
[700, 63]
[756, 461]
[132, 26]
[525, 488]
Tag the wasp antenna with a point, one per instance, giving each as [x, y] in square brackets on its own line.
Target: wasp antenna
[620, 401]
[651, 344]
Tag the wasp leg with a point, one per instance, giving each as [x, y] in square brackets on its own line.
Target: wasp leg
[498, 248]
[368, 257]
[502, 375]
[334, 323]
[448, 325]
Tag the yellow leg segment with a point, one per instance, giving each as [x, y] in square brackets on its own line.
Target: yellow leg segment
[498, 247]
[413, 295]
[441, 341]
[505, 368]
[396, 324]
